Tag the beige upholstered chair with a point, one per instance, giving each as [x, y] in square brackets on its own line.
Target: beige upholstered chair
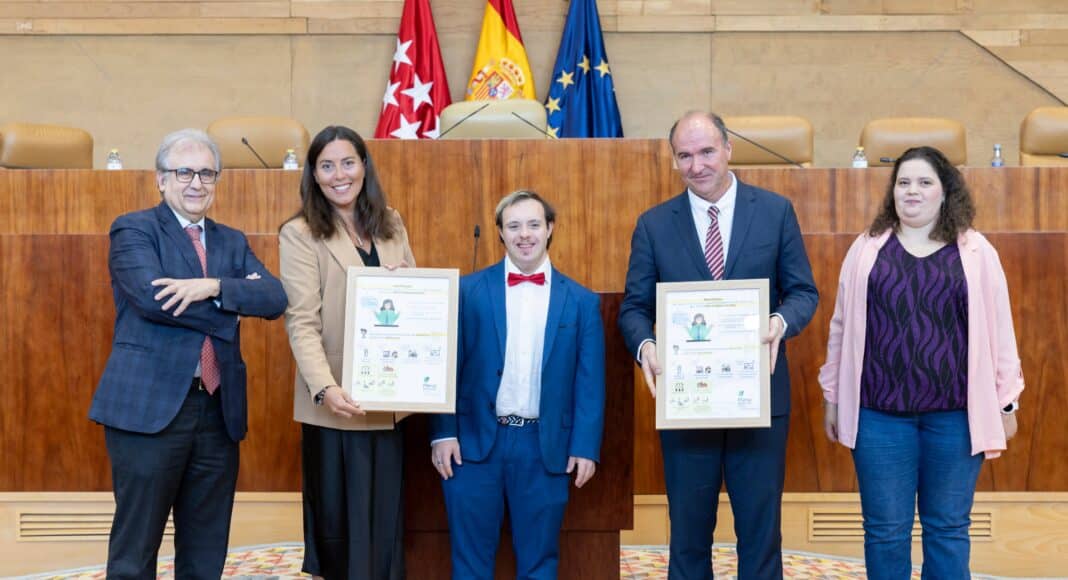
[31, 146]
[1044, 137]
[884, 140]
[509, 119]
[790, 137]
[269, 136]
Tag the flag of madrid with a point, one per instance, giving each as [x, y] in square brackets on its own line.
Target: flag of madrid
[417, 90]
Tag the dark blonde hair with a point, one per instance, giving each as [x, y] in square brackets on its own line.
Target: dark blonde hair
[522, 195]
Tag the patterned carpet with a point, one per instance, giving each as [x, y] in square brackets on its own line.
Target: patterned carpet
[282, 561]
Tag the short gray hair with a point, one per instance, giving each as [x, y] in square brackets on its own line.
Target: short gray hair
[716, 120]
[180, 136]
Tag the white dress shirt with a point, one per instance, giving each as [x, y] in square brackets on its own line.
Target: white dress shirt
[186, 223]
[701, 221]
[203, 241]
[527, 307]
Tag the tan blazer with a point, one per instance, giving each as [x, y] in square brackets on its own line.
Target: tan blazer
[313, 273]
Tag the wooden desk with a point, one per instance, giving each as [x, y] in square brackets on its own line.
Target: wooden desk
[57, 312]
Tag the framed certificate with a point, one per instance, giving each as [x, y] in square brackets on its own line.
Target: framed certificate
[715, 365]
[400, 339]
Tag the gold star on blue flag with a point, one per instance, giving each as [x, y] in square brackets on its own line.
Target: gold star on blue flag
[584, 105]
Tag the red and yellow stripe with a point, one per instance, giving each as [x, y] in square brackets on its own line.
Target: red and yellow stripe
[501, 69]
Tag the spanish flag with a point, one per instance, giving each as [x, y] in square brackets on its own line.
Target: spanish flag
[501, 70]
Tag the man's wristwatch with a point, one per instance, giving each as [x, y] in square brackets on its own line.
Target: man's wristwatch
[1010, 408]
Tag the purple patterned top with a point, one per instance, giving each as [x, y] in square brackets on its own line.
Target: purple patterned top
[916, 342]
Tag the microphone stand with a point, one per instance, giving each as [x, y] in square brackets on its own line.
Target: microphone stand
[245, 141]
[775, 153]
[474, 254]
[466, 117]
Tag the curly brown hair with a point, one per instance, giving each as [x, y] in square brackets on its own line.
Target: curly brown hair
[373, 216]
[958, 208]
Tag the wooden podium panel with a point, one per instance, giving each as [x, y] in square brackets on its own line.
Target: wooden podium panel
[56, 311]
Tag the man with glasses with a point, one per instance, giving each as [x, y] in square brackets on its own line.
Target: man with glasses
[172, 396]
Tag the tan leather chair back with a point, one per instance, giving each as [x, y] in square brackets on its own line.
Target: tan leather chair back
[269, 136]
[1044, 137]
[790, 137]
[887, 139]
[32, 146]
[509, 119]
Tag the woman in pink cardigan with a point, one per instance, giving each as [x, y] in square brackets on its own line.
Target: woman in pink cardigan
[922, 373]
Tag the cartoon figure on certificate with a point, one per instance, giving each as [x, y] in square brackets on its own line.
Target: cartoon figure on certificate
[387, 315]
[698, 328]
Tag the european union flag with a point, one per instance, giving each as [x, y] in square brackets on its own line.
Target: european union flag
[582, 98]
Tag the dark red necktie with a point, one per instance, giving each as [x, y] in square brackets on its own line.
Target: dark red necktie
[714, 245]
[209, 364]
[514, 278]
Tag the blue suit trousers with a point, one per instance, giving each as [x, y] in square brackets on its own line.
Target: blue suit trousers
[512, 476]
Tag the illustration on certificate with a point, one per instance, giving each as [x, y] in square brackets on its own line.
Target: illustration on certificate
[712, 363]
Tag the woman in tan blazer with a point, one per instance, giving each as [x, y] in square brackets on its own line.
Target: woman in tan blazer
[352, 460]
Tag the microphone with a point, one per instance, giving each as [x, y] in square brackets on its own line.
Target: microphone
[245, 141]
[887, 160]
[775, 153]
[474, 254]
[466, 117]
[536, 128]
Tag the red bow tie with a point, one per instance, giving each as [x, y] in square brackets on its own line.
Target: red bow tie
[514, 278]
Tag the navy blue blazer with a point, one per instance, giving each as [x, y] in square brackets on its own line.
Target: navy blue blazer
[572, 375]
[155, 354]
[765, 243]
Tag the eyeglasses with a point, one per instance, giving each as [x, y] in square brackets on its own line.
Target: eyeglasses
[186, 175]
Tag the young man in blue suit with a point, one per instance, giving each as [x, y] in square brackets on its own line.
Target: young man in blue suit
[529, 400]
[720, 228]
[172, 396]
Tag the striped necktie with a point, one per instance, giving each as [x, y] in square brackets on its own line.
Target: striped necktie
[714, 245]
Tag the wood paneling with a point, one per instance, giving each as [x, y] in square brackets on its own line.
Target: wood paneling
[57, 314]
[121, 82]
[72, 10]
[155, 26]
[56, 307]
[1014, 61]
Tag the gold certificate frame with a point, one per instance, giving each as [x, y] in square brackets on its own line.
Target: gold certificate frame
[400, 339]
[709, 339]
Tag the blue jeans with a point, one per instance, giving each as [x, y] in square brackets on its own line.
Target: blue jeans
[902, 457]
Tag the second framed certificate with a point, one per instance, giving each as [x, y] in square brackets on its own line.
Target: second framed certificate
[400, 339]
[715, 365]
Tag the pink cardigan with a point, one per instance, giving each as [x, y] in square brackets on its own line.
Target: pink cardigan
[994, 375]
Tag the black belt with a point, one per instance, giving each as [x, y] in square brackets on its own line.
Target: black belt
[515, 421]
[198, 385]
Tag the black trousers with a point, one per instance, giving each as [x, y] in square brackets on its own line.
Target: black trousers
[190, 466]
[353, 503]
